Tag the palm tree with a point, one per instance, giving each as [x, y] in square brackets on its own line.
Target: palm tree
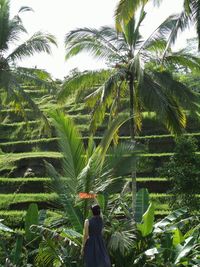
[12, 76]
[190, 15]
[137, 71]
[100, 169]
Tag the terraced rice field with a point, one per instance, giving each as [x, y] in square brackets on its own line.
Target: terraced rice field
[24, 147]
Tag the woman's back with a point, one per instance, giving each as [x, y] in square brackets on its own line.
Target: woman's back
[95, 226]
[95, 253]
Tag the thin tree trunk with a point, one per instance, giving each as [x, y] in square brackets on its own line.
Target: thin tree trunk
[131, 109]
[132, 134]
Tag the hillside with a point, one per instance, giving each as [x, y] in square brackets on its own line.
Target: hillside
[24, 146]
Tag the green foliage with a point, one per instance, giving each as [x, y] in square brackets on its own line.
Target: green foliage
[31, 218]
[188, 16]
[103, 172]
[142, 202]
[183, 172]
[8, 199]
[138, 70]
[146, 226]
[17, 251]
[173, 241]
[11, 76]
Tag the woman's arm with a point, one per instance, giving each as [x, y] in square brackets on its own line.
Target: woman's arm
[85, 235]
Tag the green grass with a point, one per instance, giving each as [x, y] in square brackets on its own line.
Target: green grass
[19, 124]
[9, 161]
[27, 142]
[38, 154]
[162, 206]
[45, 144]
[165, 136]
[25, 185]
[23, 180]
[150, 179]
[7, 199]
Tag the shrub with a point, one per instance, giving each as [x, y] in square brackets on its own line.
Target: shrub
[183, 171]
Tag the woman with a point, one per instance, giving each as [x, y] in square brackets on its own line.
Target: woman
[93, 248]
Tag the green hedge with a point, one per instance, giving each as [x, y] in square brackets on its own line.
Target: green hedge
[15, 218]
[24, 185]
[6, 200]
[43, 144]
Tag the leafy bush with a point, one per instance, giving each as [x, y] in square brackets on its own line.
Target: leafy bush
[184, 174]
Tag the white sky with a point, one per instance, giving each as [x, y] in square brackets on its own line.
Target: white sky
[61, 16]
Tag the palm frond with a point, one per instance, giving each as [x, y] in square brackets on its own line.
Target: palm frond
[72, 149]
[4, 22]
[120, 159]
[122, 237]
[62, 186]
[35, 77]
[82, 81]
[48, 254]
[136, 34]
[105, 165]
[25, 9]
[181, 23]
[38, 43]
[14, 31]
[165, 29]
[18, 92]
[108, 136]
[193, 8]
[129, 32]
[103, 97]
[89, 176]
[156, 45]
[185, 60]
[137, 69]
[125, 11]
[186, 97]
[71, 146]
[168, 109]
[97, 42]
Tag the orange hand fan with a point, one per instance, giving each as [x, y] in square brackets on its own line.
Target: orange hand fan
[87, 195]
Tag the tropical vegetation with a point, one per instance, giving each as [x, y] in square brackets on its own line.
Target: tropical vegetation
[186, 18]
[12, 51]
[138, 71]
[182, 170]
[141, 113]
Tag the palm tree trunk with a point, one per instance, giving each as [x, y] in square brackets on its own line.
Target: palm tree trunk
[132, 134]
[131, 108]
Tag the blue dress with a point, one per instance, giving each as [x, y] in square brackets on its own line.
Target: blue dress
[95, 254]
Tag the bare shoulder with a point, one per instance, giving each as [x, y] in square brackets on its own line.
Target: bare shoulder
[86, 222]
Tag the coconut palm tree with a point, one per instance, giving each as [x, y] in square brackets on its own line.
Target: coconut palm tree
[189, 15]
[136, 70]
[11, 51]
[136, 65]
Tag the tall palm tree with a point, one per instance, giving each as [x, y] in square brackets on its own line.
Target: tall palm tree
[12, 76]
[189, 15]
[137, 70]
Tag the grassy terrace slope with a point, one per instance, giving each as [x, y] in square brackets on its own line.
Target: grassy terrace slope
[24, 146]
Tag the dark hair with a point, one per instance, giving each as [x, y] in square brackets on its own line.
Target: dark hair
[96, 210]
